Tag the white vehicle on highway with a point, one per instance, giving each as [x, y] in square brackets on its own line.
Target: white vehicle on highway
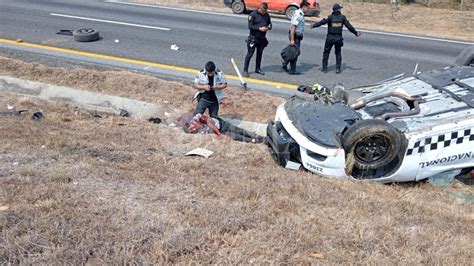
[405, 129]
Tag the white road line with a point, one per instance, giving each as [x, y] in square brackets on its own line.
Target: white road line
[417, 37]
[110, 21]
[286, 21]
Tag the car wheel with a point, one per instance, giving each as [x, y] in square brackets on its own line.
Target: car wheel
[238, 7]
[372, 144]
[290, 10]
[465, 57]
[85, 35]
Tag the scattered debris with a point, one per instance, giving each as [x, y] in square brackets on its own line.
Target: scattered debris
[124, 113]
[174, 47]
[13, 113]
[154, 120]
[292, 165]
[65, 32]
[10, 107]
[443, 179]
[38, 116]
[200, 152]
[318, 255]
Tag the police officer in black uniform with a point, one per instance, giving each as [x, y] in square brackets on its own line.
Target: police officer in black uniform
[259, 24]
[334, 37]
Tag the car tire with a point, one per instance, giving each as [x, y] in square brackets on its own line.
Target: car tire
[85, 35]
[238, 7]
[465, 57]
[289, 11]
[372, 144]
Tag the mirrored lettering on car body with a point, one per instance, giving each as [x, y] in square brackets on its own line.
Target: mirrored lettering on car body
[315, 168]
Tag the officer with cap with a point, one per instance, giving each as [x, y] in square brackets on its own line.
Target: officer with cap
[259, 23]
[334, 37]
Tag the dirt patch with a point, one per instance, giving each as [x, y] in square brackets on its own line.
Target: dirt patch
[412, 19]
[77, 189]
[253, 106]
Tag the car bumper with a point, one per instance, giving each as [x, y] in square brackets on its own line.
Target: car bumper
[281, 145]
[287, 144]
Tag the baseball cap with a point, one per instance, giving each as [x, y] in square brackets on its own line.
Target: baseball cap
[337, 6]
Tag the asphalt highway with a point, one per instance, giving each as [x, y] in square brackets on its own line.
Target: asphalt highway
[146, 32]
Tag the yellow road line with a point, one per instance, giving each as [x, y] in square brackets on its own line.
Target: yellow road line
[139, 62]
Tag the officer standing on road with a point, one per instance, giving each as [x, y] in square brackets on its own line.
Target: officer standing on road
[259, 23]
[296, 35]
[334, 37]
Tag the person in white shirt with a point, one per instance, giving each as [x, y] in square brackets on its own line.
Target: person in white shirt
[296, 35]
[209, 83]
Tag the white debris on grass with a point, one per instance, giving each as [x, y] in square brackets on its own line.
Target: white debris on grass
[200, 152]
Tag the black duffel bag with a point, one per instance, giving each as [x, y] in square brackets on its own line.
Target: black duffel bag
[290, 53]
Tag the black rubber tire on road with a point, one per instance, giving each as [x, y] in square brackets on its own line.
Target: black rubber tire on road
[465, 57]
[85, 35]
[238, 7]
[289, 11]
[372, 143]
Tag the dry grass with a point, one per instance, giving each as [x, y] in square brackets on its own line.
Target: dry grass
[412, 19]
[254, 106]
[101, 192]
[76, 189]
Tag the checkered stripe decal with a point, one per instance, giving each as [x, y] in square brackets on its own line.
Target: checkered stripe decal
[442, 141]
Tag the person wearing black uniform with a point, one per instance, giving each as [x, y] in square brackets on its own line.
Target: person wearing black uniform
[259, 23]
[334, 37]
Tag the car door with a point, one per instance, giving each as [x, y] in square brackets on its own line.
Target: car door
[273, 5]
[252, 4]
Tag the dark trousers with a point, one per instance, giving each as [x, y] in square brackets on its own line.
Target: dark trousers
[292, 63]
[240, 134]
[337, 43]
[259, 46]
[203, 105]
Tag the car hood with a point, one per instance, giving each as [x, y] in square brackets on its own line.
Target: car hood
[319, 122]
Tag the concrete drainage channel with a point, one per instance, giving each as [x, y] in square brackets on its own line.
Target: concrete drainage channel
[97, 102]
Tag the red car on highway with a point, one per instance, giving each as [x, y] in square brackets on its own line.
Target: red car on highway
[286, 7]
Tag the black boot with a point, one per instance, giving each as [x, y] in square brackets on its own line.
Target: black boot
[259, 71]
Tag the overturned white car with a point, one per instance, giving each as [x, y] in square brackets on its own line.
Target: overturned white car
[406, 129]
